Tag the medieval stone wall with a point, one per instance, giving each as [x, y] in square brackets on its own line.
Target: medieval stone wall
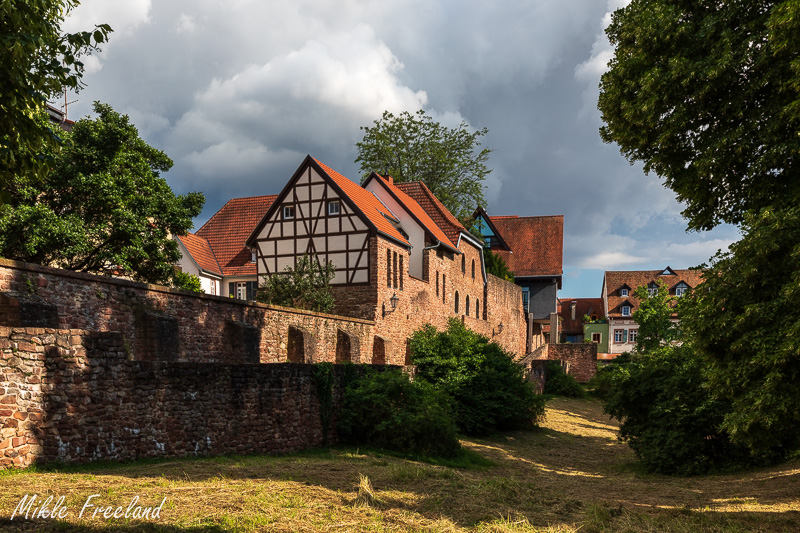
[580, 359]
[74, 395]
[158, 323]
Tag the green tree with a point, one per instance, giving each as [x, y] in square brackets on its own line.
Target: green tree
[707, 96]
[496, 265]
[744, 319]
[488, 389]
[38, 62]
[103, 208]
[654, 318]
[415, 147]
[307, 286]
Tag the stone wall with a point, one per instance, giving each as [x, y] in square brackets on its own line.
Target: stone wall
[74, 395]
[158, 323]
[580, 359]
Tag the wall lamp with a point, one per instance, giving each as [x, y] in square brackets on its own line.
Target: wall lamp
[499, 330]
[393, 301]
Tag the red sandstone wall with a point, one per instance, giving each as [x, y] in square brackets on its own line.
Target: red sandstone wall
[581, 359]
[158, 323]
[73, 395]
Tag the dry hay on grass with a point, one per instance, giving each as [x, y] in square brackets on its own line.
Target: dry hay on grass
[572, 475]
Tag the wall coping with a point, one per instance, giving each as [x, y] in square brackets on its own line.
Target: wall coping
[41, 269]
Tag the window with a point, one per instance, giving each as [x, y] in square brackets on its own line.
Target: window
[456, 300]
[618, 335]
[626, 310]
[394, 270]
[401, 272]
[681, 289]
[333, 207]
[241, 290]
[473, 269]
[444, 287]
[477, 308]
[463, 264]
[632, 335]
[252, 256]
[437, 283]
[525, 298]
[597, 338]
[288, 212]
[623, 292]
[388, 268]
[466, 306]
[651, 291]
[213, 286]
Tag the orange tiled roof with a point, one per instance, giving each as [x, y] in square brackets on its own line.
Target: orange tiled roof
[537, 244]
[227, 232]
[368, 203]
[583, 306]
[201, 252]
[435, 209]
[614, 280]
[416, 210]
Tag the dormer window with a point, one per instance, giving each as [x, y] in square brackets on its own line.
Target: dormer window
[623, 292]
[288, 212]
[253, 255]
[333, 207]
[626, 310]
[652, 289]
[681, 289]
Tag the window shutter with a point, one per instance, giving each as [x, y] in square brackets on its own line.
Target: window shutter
[232, 290]
[625, 335]
[251, 290]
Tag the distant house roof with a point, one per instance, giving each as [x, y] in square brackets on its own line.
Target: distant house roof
[537, 244]
[614, 279]
[201, 253]
[227, 231]
[413, 207]
[435, 209]
[583, 306]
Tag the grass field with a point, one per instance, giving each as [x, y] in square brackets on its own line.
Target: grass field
[572, 475]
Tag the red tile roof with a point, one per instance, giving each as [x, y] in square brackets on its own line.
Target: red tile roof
[367, 203]
[537, 244]
[201, 252]
[227, 231]
[614, 280]
[435, 209]
[583, 306]
[416, 210]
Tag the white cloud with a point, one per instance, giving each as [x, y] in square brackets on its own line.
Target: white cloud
[123, 16]
[186, 24]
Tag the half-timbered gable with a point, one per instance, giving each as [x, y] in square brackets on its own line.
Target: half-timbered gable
[322, 212]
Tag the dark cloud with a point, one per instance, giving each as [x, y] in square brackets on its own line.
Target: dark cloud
[238, 92]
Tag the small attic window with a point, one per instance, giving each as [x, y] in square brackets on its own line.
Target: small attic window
[681, 289]
[252, 255]
[288, 212]
[623, 292]
[333, 207]
[626, 310]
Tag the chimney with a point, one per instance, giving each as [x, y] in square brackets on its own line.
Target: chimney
[389, 179]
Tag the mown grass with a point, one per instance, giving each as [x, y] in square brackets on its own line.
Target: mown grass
[572, 475]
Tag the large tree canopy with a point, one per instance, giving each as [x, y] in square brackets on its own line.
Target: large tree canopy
[415, 147]
[744, 319]
[705, 94]
[38, 62]
[103, 207]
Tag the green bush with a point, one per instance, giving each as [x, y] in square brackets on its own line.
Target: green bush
[387, 410]
[561, 383]
[603, 381]
[488, 390]
[668, 417]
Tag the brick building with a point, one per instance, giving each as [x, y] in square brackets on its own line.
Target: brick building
[400, 257]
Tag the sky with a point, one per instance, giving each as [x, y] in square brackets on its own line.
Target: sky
[237, 92]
